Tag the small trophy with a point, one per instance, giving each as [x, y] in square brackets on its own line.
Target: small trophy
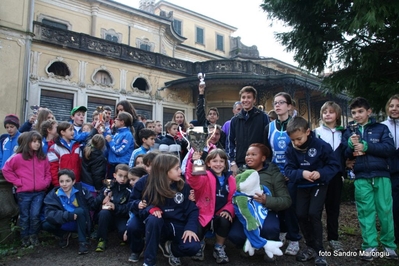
[107, 183]
[353, 127]
[100, 111]
[201, 77]
[197, 138]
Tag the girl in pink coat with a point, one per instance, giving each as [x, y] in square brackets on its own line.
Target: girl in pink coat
[29, 171]
[213, 195]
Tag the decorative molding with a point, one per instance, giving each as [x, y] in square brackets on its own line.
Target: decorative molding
[52, 75]
[122, 79]
[145, 41]
[95, 82]
[35, 58]
[82, 73]
[112, 32]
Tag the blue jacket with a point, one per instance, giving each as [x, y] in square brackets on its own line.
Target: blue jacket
[393, 125]
[379, 147]
[121, 146]
[8, 147]
[120, 198]
[179, 210]
[245, 130]
[316, 156]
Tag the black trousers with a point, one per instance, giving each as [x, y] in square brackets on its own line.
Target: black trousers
[309, 208]
[332, 206]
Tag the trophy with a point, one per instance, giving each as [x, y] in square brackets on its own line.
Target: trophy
[107, 183]
[201, 77]
[198, 140]
[353, 127]
[100, 111]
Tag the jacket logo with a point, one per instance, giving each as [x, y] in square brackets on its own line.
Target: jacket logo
[282, 144]
[179, 198]
[312, 152]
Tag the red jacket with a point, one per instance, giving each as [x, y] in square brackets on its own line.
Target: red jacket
[60, 157]
[31, 175]
[205, 193]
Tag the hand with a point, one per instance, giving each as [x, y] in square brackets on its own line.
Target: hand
[33, 118]
[234, 169]
[108, 138]
[196, 155]
[201, 89]
[106, 200]
[111, 206]
[307, 175]
[157, 214]
[314, 175]
[261, 198]
[358, 147]
[142, 204]
[192, 195]
[354, 139]
[75, 216]
[226, 215]
[190, 235]
[350, 163]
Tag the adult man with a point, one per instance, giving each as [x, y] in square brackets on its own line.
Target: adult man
[245, 128]
[108, 122]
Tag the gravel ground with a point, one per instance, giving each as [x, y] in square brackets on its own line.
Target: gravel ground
[49, 253]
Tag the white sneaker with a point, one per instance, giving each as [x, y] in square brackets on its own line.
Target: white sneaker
[293, 248]
[282, 237]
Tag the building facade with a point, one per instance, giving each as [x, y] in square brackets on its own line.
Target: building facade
[64, 53]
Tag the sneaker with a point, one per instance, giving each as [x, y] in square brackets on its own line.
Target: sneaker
[174, 261]
[390, 254]
[83, 248]
[64, 241]
[220, 255]
[25, 242]
[134, 257]
[101, 246]
[200, 254]
[369, 254]
[93, 234]
[293, 248]
[336, 245]
[166, 248]
[306, 254]
[282, 237]
[320, 261]
[34, 240]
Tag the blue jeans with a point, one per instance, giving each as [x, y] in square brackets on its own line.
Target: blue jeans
[30, 204]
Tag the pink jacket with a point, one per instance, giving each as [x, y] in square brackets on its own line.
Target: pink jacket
[27, 175]
[205, 193]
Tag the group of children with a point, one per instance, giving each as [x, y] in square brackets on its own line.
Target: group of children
[152, 204]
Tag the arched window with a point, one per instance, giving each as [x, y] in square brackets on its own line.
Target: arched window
[59, 69]
[102, 77]
[141, 84]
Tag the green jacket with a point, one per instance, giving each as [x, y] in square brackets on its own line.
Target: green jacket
[273, 179]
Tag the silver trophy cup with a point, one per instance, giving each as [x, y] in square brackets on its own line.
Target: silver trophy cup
[198, 140]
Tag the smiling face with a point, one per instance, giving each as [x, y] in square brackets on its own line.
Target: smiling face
[254, 158]
[361, 115]
[217, 164]
[66, 183]
[174, 174]
[393, 109]
[247, 100]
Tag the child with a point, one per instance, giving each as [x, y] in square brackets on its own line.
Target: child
[371, 144]
[94, 165]
[121, 145]
[9, 145]
[48, 130]
[87, 127]
[64, 153]
[158, 131]
[136, 227]
[150, 124]
[139, 161]
[310, 164]
[67, 209]
[115, 210]
[331, 132]
[170, 143]
[147, 137]
[213, 193]
[170, 216]
[29, 171]
[277, 140]
[392, 110]
[78, 116]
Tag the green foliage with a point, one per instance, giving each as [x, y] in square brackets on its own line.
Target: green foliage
[358, 40]
[348, 191]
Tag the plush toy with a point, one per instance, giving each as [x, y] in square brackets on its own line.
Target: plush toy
[252, 214]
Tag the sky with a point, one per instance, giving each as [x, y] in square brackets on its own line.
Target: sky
[250, 20]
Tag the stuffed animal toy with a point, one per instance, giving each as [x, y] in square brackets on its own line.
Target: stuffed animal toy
[252, 214]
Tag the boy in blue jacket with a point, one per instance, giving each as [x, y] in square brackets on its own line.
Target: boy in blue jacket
[9, 142]
[310, 164]
[371, 144]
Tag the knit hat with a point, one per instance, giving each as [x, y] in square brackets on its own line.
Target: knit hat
[11, 119]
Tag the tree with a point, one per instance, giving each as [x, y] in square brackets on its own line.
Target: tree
[357, 40]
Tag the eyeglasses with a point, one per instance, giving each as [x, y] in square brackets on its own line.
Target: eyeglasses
[279, 103]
